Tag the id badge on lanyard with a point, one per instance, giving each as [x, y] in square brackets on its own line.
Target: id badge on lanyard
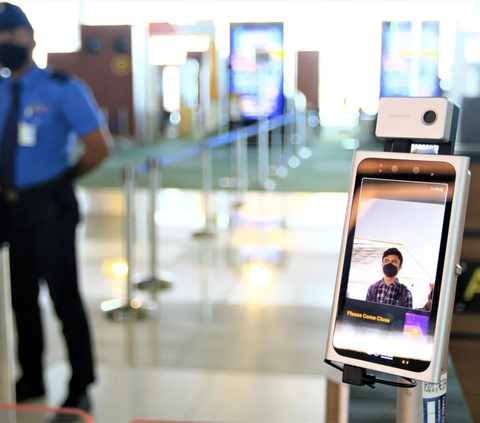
[27, 134]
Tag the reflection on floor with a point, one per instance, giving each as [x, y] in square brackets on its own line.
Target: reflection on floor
[229, 344]
[239, 338]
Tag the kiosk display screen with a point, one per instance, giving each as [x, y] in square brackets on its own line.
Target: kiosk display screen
[394, 261]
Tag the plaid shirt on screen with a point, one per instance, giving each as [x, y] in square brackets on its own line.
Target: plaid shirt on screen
[379, 292]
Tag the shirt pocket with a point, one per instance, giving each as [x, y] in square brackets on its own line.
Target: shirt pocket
[38, 114]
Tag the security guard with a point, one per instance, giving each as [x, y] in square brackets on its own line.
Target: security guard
[39, 111]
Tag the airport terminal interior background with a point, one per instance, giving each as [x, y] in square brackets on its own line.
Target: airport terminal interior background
[239, 333]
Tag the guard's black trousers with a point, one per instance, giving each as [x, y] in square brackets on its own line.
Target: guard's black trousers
[40, 227]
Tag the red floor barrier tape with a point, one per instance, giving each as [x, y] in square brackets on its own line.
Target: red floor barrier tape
[42, 409]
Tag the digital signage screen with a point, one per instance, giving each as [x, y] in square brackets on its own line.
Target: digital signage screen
[409, 62]
[256, 68]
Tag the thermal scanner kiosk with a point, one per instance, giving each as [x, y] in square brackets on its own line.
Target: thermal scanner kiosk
[399, 261]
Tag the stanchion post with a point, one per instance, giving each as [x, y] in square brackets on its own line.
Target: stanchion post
[288, 144]
[207, 191]
[300, 122]
[7, 360]
[153, 176]
[287, 150]
[206, 266]
[276, 155]
[233, 180]
[154, 282]
[305, 127]
[241, 167]
[243, 146]
[301, 128]
[131, 309]
[263, 156]
[283, 160]
[129, 226]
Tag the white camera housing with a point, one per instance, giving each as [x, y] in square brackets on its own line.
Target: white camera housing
[423, 119]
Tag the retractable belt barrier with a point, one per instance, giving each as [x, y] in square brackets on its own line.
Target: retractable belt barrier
[132, 309]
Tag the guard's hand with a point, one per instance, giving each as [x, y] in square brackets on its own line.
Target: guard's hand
[97, 148]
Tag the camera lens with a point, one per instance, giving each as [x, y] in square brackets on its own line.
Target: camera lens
[429, 117]
[416, 169]
[394, 168]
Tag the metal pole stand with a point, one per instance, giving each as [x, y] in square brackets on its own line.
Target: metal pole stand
[129, 310]
[301, 122]
[242, 168]
[263, 153]
[276, 169]
[288, 136]
[7, 360]
[282, 160]
[263, 161]
[409, 404]
[425, 403]
[209, 228]
[153, 282]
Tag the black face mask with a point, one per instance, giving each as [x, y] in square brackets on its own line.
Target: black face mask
[390, 270]
[12, 56]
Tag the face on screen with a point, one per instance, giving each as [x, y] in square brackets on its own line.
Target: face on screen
[393, 262]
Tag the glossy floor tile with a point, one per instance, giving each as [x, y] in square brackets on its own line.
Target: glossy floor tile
[195, 395]
[239, 338]
[260, 399]
[224, 346]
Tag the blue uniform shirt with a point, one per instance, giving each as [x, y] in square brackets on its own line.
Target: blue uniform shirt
[52, 111]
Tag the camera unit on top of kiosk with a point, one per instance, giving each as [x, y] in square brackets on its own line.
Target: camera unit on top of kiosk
[416, 121]
[398, 263]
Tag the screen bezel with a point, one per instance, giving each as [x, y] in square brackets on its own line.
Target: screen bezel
[380, 168]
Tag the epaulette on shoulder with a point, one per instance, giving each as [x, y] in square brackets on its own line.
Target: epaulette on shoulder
[60, 76]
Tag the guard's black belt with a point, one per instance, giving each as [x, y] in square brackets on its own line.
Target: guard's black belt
[17, 195]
